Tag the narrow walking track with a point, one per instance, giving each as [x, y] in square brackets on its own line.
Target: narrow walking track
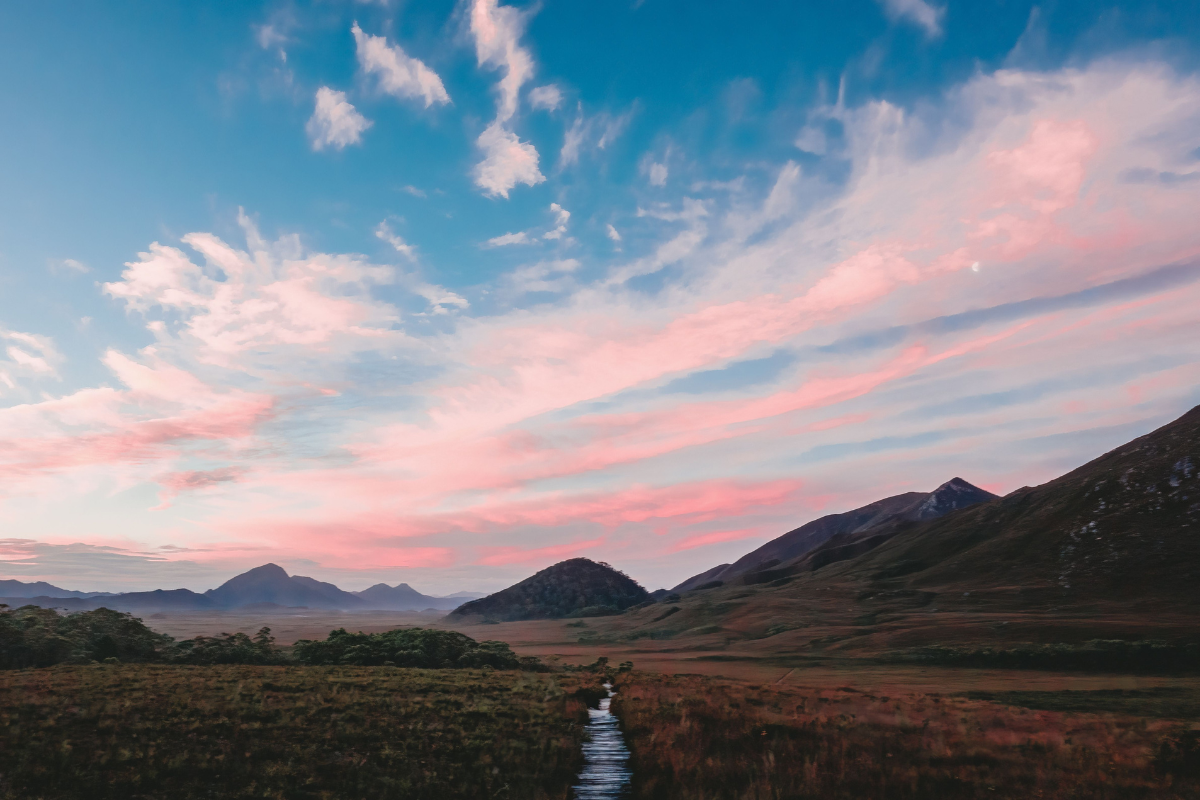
[605, 772]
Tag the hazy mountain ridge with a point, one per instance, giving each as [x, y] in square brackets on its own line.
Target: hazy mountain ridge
[15, 588]
[265, 586]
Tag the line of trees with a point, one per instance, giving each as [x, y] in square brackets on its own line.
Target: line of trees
[41, 637]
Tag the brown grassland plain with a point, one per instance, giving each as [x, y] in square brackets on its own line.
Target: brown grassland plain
[149, 731]
[708, 716]
[705, 738]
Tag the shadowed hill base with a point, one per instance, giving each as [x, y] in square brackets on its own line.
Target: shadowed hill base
[578, 586]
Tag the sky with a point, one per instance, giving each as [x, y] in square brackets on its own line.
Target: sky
[445, 293]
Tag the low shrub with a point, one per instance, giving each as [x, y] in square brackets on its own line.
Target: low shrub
[407, 647]
[229, 648]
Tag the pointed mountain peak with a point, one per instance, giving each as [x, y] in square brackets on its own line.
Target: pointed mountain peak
[957, 484]
[951, 496]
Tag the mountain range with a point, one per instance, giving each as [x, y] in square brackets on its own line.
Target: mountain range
[860, 525]
[16, 589]
[1110, 550]
[265, 586]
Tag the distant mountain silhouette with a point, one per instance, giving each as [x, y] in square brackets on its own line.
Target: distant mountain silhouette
[11, 588]
[403, 597]
[268, 586]
[855, 525]
[271, 584]
[578, 586]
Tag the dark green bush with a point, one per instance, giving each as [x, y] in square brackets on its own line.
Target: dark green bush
[229, 648]
[410, 647]
[40, 637]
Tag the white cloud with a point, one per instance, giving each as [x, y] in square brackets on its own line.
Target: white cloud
[31, 362]
[572, 141]
[509, 238]
[276, 33]
[335, 122]
[497, 29]
[600, 130]
[613, 234]
[270, 301]
[29, 354]
[414, 191]
[507, 162]
[546, 97]
[561, 217]
[270, 36]
[439, 297]
[68, 265]
[399, 74]
[544, 276]
[658, 174]
[385, 232]
[811, 139]
[919, 12]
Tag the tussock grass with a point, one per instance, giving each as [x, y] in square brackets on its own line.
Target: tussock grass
[696, 738]
[165, 731]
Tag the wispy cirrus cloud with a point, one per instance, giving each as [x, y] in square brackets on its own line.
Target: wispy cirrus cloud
[919, 12]
[557, 233]
[966, 301]
[26, 356]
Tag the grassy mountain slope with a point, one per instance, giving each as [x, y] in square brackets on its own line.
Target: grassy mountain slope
[861, 526]
[1109, 550]
[577, 586]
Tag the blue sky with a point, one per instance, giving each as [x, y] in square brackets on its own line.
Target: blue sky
[677, 276]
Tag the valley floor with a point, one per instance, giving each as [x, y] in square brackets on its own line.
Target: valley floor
[708, 715]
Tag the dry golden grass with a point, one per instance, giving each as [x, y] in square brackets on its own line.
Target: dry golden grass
[708, 739]
[143, 731]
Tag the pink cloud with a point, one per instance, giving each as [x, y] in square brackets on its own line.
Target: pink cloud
[500, 556]
[716, 537]
[276, 297]
[164, 409]
[550, 419]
